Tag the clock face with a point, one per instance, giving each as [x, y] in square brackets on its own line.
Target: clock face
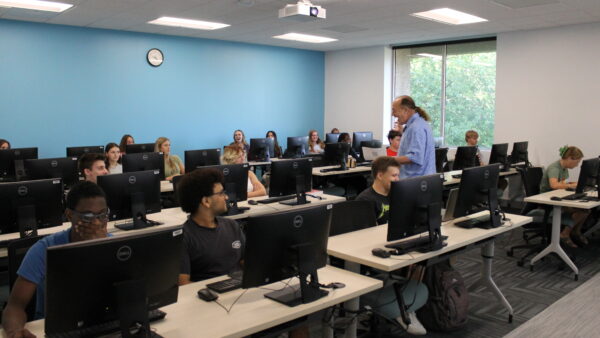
[155, 57]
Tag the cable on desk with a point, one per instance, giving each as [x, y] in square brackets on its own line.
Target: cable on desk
[235, 301]
[286, 285]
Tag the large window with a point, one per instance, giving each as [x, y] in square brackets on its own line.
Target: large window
[455, 83]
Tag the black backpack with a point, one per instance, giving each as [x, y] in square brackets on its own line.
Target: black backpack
[448, 305]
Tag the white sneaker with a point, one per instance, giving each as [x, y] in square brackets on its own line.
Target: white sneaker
[415, 327]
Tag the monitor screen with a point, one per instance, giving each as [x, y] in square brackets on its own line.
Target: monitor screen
[441, 157]
[139, 148]
[589, 175]
[11, 161]
[261, 149]
[499, 154]
[358, 137]
[62, 167]
[477, 186]
[296, 146]
[236, 180]
[117, 278]
[466, 157]
[78, 151]
[414, 204]
[519, 153]
[200, 158]
[331, 137]
[280, 245]
[144, 161]
[28, 205]
[336, 154]
[286, 174]
[132, 195]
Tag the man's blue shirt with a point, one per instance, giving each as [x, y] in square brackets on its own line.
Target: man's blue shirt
[418, 145]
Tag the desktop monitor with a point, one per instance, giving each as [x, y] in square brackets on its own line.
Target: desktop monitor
[296, 147]
[589, 175]
[78, 151]
[62, 167]
[139, 148]
[519, 153]
[371, 144]
[289, 177]
[28, 205]
[201, 158]
[144, 161]
[332, 137]
[336, 154]
[11, 162]
[284, 245]
[132, 195]
[358, 137]
[261, 149]
[441, 158]
[466, 157]
[499, 154]
[478, 191]
[120, 278]
[236, 184]
[416, 207]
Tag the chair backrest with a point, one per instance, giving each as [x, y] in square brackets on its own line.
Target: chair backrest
[531, 177]
[16, 253]
[351, 216]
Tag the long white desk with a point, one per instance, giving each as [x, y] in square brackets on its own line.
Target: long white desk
[449, 180]
[355, 248]
[554, 245]
[192, 317]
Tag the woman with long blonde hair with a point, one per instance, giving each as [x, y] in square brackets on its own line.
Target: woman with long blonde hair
[235, 155]
[315, 145]
[173, 164]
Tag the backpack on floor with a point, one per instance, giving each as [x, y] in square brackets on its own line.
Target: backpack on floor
[448, 305]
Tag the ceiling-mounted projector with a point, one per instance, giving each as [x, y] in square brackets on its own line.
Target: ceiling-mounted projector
[302, 11]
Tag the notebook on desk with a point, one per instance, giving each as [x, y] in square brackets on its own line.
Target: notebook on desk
[372, 153]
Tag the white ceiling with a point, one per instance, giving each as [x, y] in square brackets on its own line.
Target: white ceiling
[356, 23]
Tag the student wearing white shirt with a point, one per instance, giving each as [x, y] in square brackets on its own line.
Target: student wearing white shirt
[235, 155]
[113, 157]
[315, 145]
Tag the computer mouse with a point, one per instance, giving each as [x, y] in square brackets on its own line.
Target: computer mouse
[252, 202]
[207, 295]
[336, 285]
[380, 253]
[555, 198]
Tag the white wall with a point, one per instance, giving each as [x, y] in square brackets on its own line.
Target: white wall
[548, 90]
[358, 89]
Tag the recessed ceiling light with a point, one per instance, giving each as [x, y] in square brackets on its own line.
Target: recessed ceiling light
[449, 16]
[433, 56]
[37, 5]
[187, 23]
[304, 38]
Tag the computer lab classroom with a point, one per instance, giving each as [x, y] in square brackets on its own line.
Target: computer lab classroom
[491, 259]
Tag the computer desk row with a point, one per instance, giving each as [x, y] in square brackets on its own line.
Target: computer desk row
[176, 216]
[251, 313]
[557, 205]
[449, 180]
[355, 249]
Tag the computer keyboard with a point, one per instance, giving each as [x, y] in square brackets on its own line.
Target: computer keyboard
[105, 328]
[364, 164]
[130, 226]
[573, 197]
[332, 169]
[276, 199]
[225, 285]
[411, 245]
[482, 222]
[457, 176]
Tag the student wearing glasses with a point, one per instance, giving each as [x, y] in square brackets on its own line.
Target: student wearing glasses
[212, 245]
[88, 213]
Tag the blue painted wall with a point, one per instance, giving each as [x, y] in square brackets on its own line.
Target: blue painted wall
[68, 86]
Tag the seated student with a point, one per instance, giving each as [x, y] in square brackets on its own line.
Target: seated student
[239, 139]
[173, 164]
[88, 213]
[384, 170]
[212, 245]
[235, 155]
[335, 131]
[113, 157]
[394, 137]
[125, 140]
[555, 177]
[272, 135]
[92, 165]
[345, 138]
[315, 145]
[472, 137]
[4, 144]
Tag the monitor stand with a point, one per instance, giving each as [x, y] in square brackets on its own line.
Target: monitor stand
[138, 211]
[433, 242]
[132, 303]
[232, 205]
[309, 289]
[300, 193]
[26, 221]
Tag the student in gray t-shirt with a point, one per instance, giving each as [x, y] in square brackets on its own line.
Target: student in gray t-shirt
[555, 177]
[213, 246]
[384, 170]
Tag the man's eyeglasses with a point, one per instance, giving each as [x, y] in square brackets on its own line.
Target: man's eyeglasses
[89, 217]
[220, 193]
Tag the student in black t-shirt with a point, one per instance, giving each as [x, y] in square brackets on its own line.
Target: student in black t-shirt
[212, 245]
[385, 170]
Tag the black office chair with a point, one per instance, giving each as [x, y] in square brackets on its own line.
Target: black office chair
[441, 159]
[351, 216]
[16, 253]
[539, 228]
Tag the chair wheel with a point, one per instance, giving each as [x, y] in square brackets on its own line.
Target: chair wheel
[520, 263]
